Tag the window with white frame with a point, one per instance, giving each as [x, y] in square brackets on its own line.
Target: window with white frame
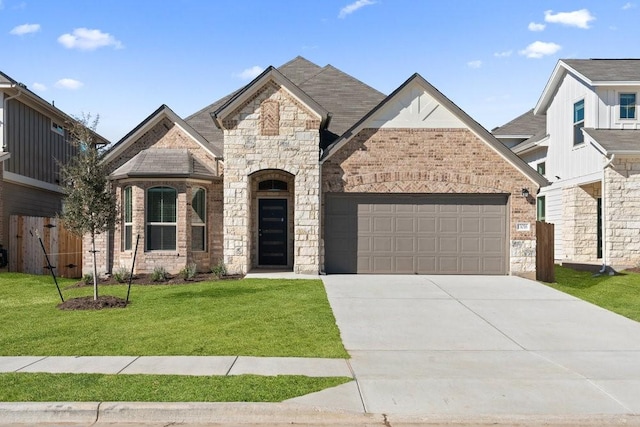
[578, 122]
[57, 128]
[161, 219]
[199, 220]
[627, 105]
[127, 213]
[541, 168]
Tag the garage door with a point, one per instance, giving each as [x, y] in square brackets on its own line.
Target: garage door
[421, 234]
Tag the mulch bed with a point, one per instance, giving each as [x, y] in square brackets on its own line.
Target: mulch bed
[107, 301]
[88, 303]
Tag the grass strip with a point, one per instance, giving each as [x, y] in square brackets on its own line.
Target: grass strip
[619, 293]
[251, 317]
[43, 387]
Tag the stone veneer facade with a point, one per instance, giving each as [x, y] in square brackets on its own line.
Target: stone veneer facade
[622, 212]
[580, 222]
[272, 131]
[436, 161]
[111, 255]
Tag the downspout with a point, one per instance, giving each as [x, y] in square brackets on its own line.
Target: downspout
[4, 113]
[604, 209]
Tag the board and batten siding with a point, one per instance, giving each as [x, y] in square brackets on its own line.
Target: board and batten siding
[35, 148]
[553, 215]
[563, 158]
[608, 114]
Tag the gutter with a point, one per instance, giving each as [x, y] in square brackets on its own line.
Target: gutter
[604, 209]
[4, 112]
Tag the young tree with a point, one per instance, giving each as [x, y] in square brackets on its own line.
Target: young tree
[90, 205]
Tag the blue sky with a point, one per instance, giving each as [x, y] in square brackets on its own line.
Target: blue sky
[122, 59]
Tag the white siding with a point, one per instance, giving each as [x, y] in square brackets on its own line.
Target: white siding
[553, 215]
[609, 108]
[563, 159]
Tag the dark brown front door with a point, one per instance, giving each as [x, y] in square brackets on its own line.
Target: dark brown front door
[272, 232]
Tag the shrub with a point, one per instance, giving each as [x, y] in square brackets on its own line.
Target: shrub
[121, 274]
[159, 274]
[219, 270]
[189, 271]
[87, 279]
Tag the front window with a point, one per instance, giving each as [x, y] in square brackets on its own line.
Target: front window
[578, 122]
[542, 168]
[541, 208]
[127, 202]
[199, 220]
[627, 105]
[161, 219]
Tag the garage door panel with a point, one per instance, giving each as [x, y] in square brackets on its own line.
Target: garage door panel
[448, 225]
[405, 225]
[427, 234]
[405, 244]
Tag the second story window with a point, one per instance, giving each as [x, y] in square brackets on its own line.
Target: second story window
[627, 105]
[578, 122]
[541, 168]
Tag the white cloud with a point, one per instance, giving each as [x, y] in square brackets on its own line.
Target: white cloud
[628, 6]
[578, 18]
[69, 84]
[534, 26]
[39, 87]
[350, 8]
[86, 39]
[474, 64]
[250, 73]
[539, 49]
[505, 54]
[23, 29]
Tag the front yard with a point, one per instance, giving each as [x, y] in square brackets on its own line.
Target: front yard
[619, 293]
[251, 317]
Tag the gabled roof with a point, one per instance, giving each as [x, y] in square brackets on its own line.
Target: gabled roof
[471, 124]
[615, 141]
[345, 98]
[270, 74]
[165, 163]
[524, 126]
[148, 123]
[593, 72]
[30, 97]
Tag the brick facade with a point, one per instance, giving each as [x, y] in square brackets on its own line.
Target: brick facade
[435, 161]
[111, 255]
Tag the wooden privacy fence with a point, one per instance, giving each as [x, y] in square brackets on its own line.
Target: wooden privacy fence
[25, 253]
[544, 252]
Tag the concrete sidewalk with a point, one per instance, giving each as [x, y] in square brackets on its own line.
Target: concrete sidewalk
[178, 365]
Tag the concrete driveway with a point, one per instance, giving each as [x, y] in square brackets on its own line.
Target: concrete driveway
[470, 346]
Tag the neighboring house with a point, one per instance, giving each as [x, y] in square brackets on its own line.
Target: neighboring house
[584, 136]
[310, 170]
[33, 139]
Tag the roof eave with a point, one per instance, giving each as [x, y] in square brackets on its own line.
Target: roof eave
[560, 70]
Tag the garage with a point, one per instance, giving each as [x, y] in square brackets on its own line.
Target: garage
[416, 234]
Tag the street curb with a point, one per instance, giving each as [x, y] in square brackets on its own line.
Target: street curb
[48, 412]
[228, 413]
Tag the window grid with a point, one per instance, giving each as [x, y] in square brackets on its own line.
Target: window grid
[161, 219]
[627, 105]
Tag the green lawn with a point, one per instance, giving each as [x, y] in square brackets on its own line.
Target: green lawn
[157, 388]
[619, 293]
[253, 317]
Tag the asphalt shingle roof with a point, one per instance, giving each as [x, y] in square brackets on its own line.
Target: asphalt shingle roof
[343, 96]
[166, 162]
[607, 70]
[527, 124]
[616, 140]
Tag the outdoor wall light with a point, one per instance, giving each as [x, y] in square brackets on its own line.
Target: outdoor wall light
[525, 193]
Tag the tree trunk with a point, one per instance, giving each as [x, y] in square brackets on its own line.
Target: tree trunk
[95, 267]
